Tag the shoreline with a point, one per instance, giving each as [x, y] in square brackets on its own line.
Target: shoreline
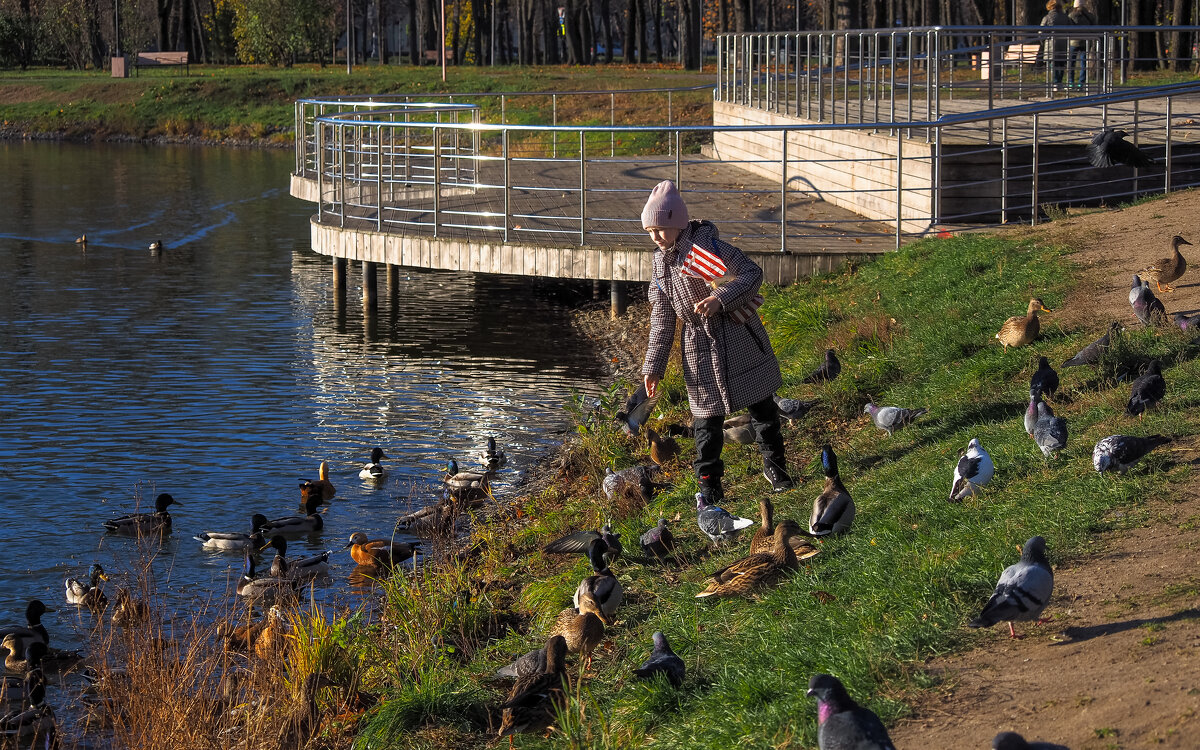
[10, 135]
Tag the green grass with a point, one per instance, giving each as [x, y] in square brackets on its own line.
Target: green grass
[913, 328]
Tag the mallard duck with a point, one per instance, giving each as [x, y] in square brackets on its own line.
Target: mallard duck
[33, 630]
[581, 541]
[662, 661]
[602, 585]
[582, 628]
[158, 522]
[833, 510]
[22, 658]
[892, 418]
[129, 610]
[739, 429]
[1020, 331]
[303, 570]
[743, 576]
[534, 701]
[1023, 590]
[269, 590]
[718, 524]
[235, 540]
[492, 458]
[374, 470]
[663, 450]
[273, 640]
[322, 487]
[658, 542]
[1166, 270]
[466, 485]
[18, 689]
[304, 719]
[88, 593]
[156, 246]
[379, 553]
[764, 538]
[311, 521]
[829, 369]
[1146, 391]
[33, 726]
[241, 638]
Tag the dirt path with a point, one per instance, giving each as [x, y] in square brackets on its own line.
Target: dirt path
[1119, 666]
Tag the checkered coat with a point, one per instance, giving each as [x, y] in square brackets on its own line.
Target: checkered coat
[726, 365]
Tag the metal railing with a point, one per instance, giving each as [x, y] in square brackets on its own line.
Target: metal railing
[876, 75]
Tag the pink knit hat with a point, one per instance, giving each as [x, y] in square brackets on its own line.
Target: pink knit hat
[665, 207]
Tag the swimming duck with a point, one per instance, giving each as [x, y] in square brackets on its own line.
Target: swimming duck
[322, 487]
[267, 589]
[492, 458]
[1020, 331]
[743, 576]
[718, 524]
[602, 585]
[662, 449]
[379, 553]
[22, 658]
[534, 701]
[156, 246]
[312, 521]
[1166, 270]
[158, 522]
[235, 540]
[81, 239]
[88, 593]
[662, 661]
[128, 610]
[764, 538]
[33, 630]
[658, 542]
[833, 510]
[583, 629]
[14, 688]
[33, 726]
[581, 541]
[302, 570]
[373, 470]
[466, 485]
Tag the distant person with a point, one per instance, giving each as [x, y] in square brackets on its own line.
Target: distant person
[1080, 15]
[1056, 45]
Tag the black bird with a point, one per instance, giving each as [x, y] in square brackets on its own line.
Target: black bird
[662, 661]
[1090, 354]
[1147, 390]
[581, 541]
[843, 724]
[1044, 380]
[1014, 741]
[636, 411]
[658, 542]
[1109, 148]
[828, 370]
[1121, 452]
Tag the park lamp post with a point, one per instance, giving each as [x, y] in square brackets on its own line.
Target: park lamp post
[349, 40]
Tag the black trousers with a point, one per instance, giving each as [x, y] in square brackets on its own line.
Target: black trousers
[710, 439]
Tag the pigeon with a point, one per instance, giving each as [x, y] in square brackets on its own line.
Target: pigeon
[828, 370]
[717, 523]
[1187, 323]
[974, 469]
[892, 418]
[1050, 432]
[533, 662]
[632, 482]
[842, 723]
[1135, 289]
[1031, 414]
[833, 510]
[662, 661]
[1090, 354]
[1147, 390]
[1121, 452]
[581, 541]
[792, 409]
[1147, 307]
[1044, 380]
[636, 411]
[1014, 741]
[1109, 148]
[1023, 590]
[658, 542]
[740, 429]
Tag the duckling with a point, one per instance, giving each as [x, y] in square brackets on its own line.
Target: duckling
[581, 541]
[302, 570]
[312, 521]
[269, 590]
[23, 659]
[158, 522]
[603, 586]
[1020, 331]
[583, 629]
[663, 450]
[379, 553]
[833, 510]
[492, 458]
[88, 593]
[374, 470]
[128, 610]
[322, 488]
[35, 725]
[534, 701]
[741, 577]
[465, 485]
[33, 630]
[764, 538]
[235, 540]
[1166, 270]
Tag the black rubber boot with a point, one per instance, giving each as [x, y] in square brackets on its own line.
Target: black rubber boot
[764, 418]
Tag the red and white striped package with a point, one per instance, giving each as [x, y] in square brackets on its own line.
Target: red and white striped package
[703, 264]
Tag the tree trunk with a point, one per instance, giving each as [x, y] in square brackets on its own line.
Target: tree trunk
[690, 33]
[164, 23]
[606, 31]
[1180, 40]
[479, 20]
[631, 24]
[642, 49]
[741, 13]
[414, 45]
[550, 27]
[656, 11]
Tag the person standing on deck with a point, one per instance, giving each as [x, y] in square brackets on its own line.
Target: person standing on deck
[1056, 44]
[728, 363]
[1080, 15]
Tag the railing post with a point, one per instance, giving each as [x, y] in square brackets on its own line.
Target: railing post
[899, 184]
[554, 122]
[320, 141]
[783, 179]
[437, 178]
[820, 78]
[937, 174]
[678, 160]
[612, 123]
[1034, 182]
[379, 178]
[507, 180]
[1004, 170]
[807, 76]
[1167, 155]
[582, 188]
[341, 140]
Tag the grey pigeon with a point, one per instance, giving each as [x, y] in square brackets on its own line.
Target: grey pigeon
[1014, 741]
[1135, 289]
[636, 411]
[1044, 380]
[717, 523]
[662, 661]
[974, 470]
[1050, 432]
[828, 370]
[533, 662]
[842, 723]
[631, 482]
[1090, 354]
[739, 429]
[792, 409]
[892, 418]
[1109, 148]
[1120, 452]
[581, 541]
[833, 510]
[1147, 307]
[1031, 414]
[1187, 323]
[1023, 590]
[658, 542]
[1146, 391]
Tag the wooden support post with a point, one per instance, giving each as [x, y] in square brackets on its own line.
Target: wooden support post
[393, 280]
[369, 285]
[339, 281]
[595, 290]
[617, 299]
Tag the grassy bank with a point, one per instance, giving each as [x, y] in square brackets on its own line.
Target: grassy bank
[254, 104]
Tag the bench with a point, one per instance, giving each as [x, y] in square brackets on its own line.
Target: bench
[432, 55]
[1022, 54]
[157, 59]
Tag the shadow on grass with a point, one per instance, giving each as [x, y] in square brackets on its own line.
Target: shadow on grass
[1077, 635]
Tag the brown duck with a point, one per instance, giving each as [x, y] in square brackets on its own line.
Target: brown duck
[535, 699]
[1166, 270]
[1019, 331]
[764, 538]
[583, 629]
[662, 449]
[743, 576]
